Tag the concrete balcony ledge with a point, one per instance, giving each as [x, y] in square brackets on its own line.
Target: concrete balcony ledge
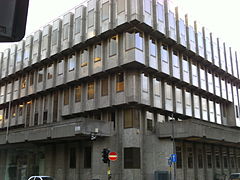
[77, 127]
[198, 130]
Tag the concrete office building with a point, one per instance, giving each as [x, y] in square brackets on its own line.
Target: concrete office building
[120, 70]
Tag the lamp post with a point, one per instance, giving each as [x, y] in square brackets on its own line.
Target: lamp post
[174, 145]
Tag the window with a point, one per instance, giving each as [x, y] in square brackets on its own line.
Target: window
[65, 31]
[20, 109]
[131, 118]
[19, 56]
[54, 37]
[164, 53]
[157, 87]
[149, 117]
[144, 83]
[29, 104]
[13, 109]
[40, 75]
[97, 52]
[84, 57]
[120, 82]
[50, 72]
[60, 67]
[179, 156]
[90, 18]
[217, 159]
[225, 161]
[132, 158]
[105, 11]
[113, 46]
[120, 6]
[77, 25]
[71, 63]
[209, 160]
[237, 111]
[45, 113]
[45, 42]
[190, 157]
[232, 161]
[31, 79]
[147, 5]
[66, 97]
[200, 159]
[1, 115]
[72, 158]
[130, 40]
[26, 52]
[24, 82]
[78, 93]
[160, 12]
[104, 87]
[139, 40]
[55, 107]
[153, 47]
[87, 157]
[91, 90]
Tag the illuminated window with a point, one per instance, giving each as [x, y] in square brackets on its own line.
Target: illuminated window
[131, 118]
[84, 58]
[120, 82]
[24, 82]
[66, 97]
[20, 109]
[97, 52]
[31, 79]
[104, 87]
[78, 90]
[91, 90]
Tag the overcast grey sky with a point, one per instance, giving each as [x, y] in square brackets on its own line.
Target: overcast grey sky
[219, 16]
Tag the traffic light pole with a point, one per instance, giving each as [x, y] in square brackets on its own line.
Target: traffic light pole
[109, 171]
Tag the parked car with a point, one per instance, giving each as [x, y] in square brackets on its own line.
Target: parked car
[40, 178]
[234, 176]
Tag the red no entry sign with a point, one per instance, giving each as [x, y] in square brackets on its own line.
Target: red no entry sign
[112, 156]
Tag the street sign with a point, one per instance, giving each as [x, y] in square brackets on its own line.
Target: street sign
[174, 158]
[112, 156]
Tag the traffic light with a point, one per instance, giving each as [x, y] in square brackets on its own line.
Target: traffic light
[105, 153]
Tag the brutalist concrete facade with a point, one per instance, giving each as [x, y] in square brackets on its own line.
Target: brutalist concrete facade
[137, 77]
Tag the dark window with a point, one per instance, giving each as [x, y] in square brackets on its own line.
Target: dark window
[217, 161]
[72, 158]
[225, 162]
[78, 90]
[29, 103]
[36, 119]
[190, 158]
[55, 107]
[209, 160]
[236, 109]
[200, 159]
[232, 162]
[45, 114]
[120, 82]
[131, 118]
[238, 159]
[113, 119]
[87, 157]
[40, 75]
[179, 156]
[132, 158]
[91, 90]
[104, 87]
[149, 124]
[21, 109]
[50, 72]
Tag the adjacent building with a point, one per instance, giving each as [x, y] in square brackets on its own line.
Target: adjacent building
[137, 77]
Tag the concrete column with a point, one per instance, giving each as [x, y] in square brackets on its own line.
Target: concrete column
[60, 170]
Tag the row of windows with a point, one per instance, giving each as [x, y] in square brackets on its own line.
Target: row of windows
[217, 157]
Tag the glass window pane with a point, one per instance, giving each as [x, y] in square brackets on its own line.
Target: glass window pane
[91, 90]
[78, 90]
[113, 46]
[120, 82]
[91, 18]
[105, 11]
[66, 96]
[104, 87]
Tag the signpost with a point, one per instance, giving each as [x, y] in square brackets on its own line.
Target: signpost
[174, 158]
